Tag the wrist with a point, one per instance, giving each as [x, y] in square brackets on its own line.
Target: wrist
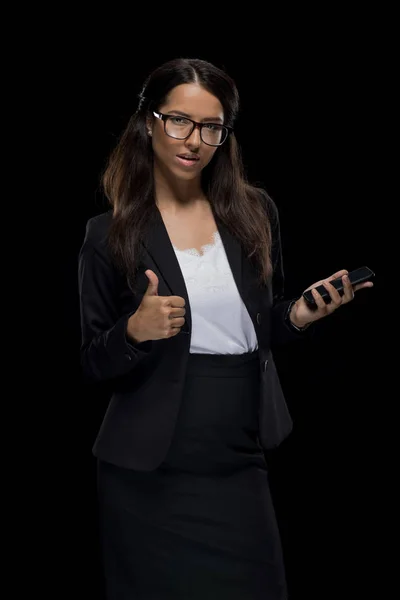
[294, 319]
[133, 330]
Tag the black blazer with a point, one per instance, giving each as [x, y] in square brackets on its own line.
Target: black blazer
[147, 379]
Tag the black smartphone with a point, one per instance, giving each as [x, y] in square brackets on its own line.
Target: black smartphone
[357, 276]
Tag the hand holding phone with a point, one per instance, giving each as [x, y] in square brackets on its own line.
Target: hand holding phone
[357, 276]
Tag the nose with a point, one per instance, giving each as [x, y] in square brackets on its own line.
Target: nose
[194, 140]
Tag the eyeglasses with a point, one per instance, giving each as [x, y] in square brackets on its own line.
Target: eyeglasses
[181, 128]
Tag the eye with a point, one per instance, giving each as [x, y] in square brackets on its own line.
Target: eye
[212, 127]
[179, 121]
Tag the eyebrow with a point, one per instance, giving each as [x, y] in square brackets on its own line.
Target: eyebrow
[183, 114]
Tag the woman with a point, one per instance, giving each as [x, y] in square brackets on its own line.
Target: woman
[181, 289]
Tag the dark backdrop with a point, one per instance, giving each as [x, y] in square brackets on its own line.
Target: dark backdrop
[308, 130]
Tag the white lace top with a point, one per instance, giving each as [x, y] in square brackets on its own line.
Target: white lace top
[220, 320]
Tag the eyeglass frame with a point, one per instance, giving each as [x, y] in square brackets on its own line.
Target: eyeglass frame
[163, 117]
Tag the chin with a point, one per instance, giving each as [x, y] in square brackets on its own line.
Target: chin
[186, 176]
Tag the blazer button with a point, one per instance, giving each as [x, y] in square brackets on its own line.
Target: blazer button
[128, 356]
[265, 365]
[258, 318]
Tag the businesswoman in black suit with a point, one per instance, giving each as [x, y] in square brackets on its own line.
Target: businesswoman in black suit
[181, 291]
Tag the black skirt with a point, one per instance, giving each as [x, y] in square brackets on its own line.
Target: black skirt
[202, 526]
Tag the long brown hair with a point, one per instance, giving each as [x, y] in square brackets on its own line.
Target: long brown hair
[128, 180]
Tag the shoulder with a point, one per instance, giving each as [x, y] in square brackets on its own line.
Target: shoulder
[94, 246]
[96, 231]
[269, 206]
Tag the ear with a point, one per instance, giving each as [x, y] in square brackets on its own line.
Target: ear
[149, 125]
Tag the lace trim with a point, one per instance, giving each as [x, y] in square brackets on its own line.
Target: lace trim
[205, 249]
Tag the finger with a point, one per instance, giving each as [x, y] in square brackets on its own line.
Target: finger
[337, 275]
[175, 301]
[336, 299]
[319, 301]
[348, 291]
[177, 312]
[360, 286]
[331, 278]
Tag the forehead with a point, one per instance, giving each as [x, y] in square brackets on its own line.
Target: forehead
[194, 100]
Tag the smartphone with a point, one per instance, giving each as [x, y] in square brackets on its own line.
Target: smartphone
[357, 276]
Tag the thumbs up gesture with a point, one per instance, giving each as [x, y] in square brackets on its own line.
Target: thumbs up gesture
[157, 317]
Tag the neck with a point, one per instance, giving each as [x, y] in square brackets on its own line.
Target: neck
[174, 194]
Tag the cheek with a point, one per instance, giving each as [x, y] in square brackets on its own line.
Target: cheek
[163, 146]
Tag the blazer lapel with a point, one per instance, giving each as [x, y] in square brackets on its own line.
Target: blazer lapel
[159, 246]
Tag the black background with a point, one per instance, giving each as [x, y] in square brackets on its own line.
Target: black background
[309, 128]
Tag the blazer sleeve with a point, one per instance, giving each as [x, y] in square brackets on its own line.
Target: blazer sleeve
[106, 352]
[282, 331]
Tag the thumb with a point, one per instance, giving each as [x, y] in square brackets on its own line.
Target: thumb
[152, 289]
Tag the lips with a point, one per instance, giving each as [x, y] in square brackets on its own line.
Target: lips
[187, 160]
[193, 157]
